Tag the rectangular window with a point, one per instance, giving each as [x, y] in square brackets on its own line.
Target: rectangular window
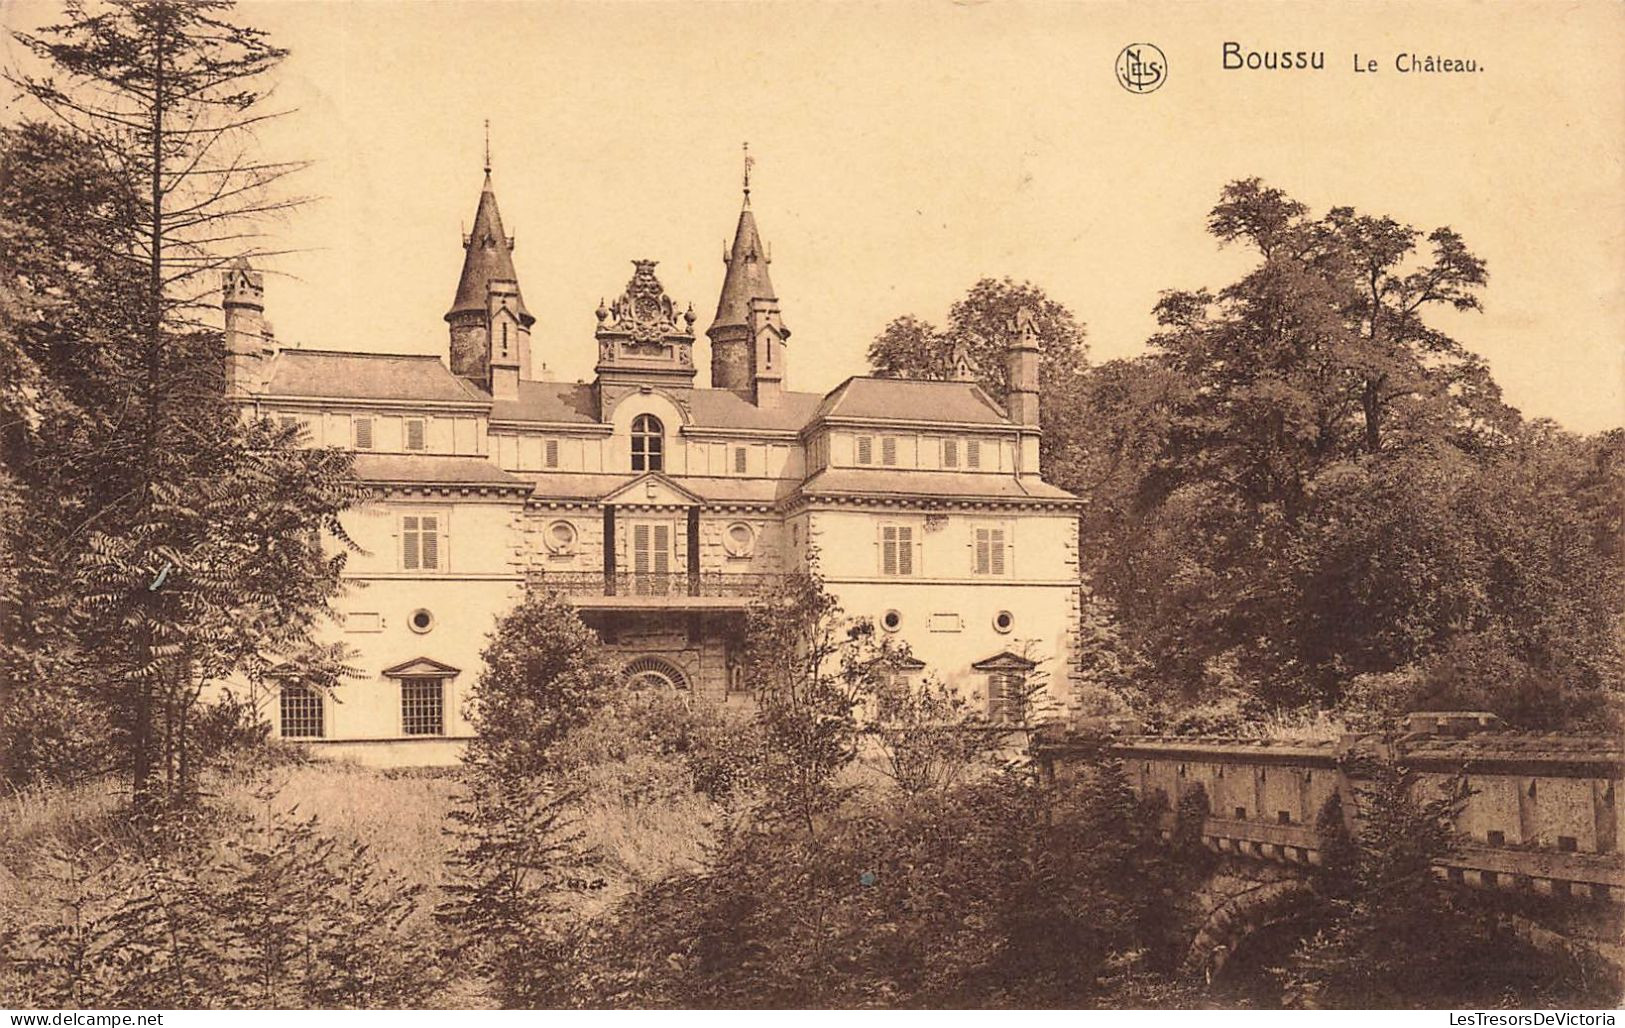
[897, 550]
[550, 453]
[363, 433]
[888, 450]
[973, 453]
[414, 433]
[740, 457]
[865, 449]
[950, 453]
[421, 538]
[423, 706]
[302, 713]
[990, 551]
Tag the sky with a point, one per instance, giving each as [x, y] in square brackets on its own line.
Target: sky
[905, 150]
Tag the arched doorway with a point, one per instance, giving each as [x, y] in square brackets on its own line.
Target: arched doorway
[652, 674]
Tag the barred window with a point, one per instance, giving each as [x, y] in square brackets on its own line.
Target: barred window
[990, 551]
[950, 453]
[973, 453]
[551, 453]
[866, 450]
[302, 713]
[414, 433]
[423, 706]
[421, 536]
[897, 550]
[363, 433]
[888, 450]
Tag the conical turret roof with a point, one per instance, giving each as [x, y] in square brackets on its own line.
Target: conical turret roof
[488, 255]
[747, 277]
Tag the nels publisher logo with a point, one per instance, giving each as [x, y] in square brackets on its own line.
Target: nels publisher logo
[1141, 68]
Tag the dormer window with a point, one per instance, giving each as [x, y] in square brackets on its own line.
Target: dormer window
[414, 433]
[648, 444]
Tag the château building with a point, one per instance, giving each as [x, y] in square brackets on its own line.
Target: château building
[660, 508]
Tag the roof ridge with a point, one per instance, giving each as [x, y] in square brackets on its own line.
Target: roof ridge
[359, 353]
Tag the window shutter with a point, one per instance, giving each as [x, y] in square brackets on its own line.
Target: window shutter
[973, 453]
[662, 549]
[983, 561]
[950, 453]
[363, 433]
[905, 550]
[995, 546]
[996, 696]
[409, 542]
[888, 550]
[429, 543]
[414, 433]
[640, 549]
[739, 460]
[865, 450]
[888, 450]
[552, 447]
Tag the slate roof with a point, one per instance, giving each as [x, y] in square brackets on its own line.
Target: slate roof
[889, 482]
[571, 402]
[746, 279]
[432, 469]
[367, 376]
[722, 408]
[912, 399]
[488, 255]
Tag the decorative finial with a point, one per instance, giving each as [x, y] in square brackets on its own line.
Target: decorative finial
[749, 160]
[488, 146]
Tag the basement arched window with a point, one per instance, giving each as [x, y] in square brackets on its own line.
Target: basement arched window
[648, 444]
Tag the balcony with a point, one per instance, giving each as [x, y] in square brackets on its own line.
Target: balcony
[704, 590]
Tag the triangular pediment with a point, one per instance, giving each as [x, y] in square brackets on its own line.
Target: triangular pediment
[653, 490]
[1005, 661]
[421, 667]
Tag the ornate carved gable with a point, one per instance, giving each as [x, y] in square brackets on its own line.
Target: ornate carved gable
[642, 331]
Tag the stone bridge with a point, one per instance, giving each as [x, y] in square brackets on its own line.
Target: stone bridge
[1541, 817]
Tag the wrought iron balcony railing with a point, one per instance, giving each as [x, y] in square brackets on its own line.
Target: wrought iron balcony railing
[675, 585]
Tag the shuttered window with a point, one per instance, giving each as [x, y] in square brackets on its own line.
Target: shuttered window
[1003, 695]
[990, 550]
[866, 449]
[739, 460]
[950, 453]
[888, 450]
[414, 433]
[651, 549]
[363, 433]
[897, 550]
[973, 453]
[422, 536]
[550, 453]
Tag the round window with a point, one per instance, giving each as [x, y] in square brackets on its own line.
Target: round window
[739, 539]
[561, 537]
[1003, 621]
[421, 621]
[891, 621]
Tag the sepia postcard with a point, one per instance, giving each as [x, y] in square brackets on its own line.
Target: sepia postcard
[680, 506]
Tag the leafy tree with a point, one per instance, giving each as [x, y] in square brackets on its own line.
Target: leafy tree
[927, 735]
[980, 325]
[545, 674]
[191, 541]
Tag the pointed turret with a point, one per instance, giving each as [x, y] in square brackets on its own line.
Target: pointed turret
[747, 335]
[488, 259]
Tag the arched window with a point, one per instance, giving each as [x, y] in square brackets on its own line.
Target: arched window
[654, 675]
[648, 444]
